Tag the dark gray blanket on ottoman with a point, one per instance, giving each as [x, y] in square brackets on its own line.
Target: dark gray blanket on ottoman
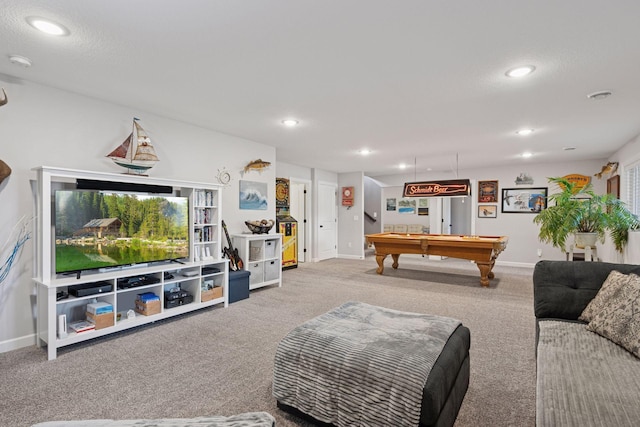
[360, 364]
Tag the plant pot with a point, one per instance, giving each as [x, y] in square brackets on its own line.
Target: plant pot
[583, 240]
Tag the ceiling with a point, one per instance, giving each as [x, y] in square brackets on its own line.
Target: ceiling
[415, 81]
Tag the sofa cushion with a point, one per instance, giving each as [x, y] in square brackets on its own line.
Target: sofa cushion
[562, 289]
[614, 281]
[584, 379]
[619, 319]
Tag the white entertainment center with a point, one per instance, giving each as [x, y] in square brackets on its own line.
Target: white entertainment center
[203, 275]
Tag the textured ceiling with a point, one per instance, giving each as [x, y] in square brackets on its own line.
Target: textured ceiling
[415, 81]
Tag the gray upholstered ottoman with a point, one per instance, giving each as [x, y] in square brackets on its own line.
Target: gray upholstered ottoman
[366, 365]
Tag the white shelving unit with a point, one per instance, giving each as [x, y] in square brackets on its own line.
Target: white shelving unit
[203, 269]
[262, 256]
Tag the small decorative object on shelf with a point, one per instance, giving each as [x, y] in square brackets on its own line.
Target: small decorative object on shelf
[260, 227]
[136, 153]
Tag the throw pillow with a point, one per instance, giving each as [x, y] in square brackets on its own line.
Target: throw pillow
[614, 281]
[619, 319]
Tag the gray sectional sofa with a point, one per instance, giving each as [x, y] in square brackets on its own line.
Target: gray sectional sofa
[583, 378]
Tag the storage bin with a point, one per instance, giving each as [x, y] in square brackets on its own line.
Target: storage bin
[255, 251]
[213, 293]
[238, 285]
[270, 248]
[271, 270]
[257, 272]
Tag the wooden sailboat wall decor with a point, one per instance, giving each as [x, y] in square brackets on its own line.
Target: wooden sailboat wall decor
[136, 153]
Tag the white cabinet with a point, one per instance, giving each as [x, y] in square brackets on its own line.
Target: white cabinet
[262, 256]
[199, 279]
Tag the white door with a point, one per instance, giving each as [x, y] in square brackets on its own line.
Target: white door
[327, 227]
[298, 209]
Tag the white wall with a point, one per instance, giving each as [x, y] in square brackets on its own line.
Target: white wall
[351, 219]
[372, 205]
[45, 126]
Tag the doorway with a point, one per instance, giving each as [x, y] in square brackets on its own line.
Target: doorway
[327, 217]
[300, 197]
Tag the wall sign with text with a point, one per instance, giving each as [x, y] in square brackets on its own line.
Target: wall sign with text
[446, 188]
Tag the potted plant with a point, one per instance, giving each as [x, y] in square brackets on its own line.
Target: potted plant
[577, 210]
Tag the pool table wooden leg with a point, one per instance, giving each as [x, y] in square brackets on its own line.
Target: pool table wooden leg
[395, 260]
[485, 272]
[380, 261]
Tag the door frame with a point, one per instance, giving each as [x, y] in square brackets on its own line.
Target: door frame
[308, 226]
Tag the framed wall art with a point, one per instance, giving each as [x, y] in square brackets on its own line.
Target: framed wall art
[487, 191]
[253, 195]
[613, 186]
[487, 211]
[423, 206]
[407, 206]
[391, 204]
[524, 200]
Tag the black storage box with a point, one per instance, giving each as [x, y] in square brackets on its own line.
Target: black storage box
[175, 293]
[238, 285]
[188, 299]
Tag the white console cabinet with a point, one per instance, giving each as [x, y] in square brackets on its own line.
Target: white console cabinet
[203, 274]
[262, 256]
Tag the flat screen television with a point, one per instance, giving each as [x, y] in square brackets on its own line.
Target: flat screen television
[98, 229]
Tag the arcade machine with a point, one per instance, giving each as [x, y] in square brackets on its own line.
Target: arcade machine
[286, 225]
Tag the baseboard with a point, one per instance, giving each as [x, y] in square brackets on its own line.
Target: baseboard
[350, 256]
[516, 264]
[16, 343]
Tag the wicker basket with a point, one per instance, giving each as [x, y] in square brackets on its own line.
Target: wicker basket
[259, 228]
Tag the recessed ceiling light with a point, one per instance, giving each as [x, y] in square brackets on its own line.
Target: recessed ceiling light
[599, 95]
[364, 151]
[525, 132]
[20, 60]
[527, 154]
[520, 71]
[403, 166]
[47, 27]
[290, 122]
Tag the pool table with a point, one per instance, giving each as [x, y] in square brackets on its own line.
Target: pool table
[483, 250]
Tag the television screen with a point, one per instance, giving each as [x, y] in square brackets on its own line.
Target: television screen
[97, 229]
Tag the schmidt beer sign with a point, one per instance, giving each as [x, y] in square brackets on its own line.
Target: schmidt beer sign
[447, 188]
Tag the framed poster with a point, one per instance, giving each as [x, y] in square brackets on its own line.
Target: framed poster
[253, 195]
[282, 193]
[487, 211]
[347, 196]
[524, 200]
[423, 206]
[391, 204]
[487, 191]
[407, 206]
[613, 186]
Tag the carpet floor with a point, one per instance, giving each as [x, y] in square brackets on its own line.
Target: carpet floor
[219, 361]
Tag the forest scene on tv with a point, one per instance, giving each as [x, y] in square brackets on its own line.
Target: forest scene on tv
[97, 230]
